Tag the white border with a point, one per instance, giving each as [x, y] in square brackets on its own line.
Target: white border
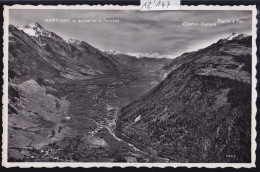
[88, 164]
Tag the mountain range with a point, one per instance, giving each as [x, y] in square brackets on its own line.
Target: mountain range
[141, 55]
[70, 101]
[201, 112]
[57, 57]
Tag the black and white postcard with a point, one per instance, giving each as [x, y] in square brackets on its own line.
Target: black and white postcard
[104, 86]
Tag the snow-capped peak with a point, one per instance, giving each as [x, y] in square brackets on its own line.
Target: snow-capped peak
[233, 35]
[150, 55]
[73, 41]
[113, 52]
[35, 29]
[35, 26]
[236, 35]
[141, 55]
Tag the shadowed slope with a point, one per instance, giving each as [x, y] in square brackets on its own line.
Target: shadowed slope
[201, 112]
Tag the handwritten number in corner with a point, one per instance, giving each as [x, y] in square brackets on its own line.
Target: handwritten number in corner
[156, 3]
[147, 5]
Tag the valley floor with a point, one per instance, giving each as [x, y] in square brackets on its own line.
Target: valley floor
[84, 128]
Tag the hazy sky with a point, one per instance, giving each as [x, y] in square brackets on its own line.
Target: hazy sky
[137, 31]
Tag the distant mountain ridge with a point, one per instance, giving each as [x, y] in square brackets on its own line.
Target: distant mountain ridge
[142, 61]
[141, 55]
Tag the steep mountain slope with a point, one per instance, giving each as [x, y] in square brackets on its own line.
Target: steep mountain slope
[70, 58]
[201, 112]
[32, 114]
[173, 64]
[40, 64]
[43, 56]
[27, 58]
[188, 56]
